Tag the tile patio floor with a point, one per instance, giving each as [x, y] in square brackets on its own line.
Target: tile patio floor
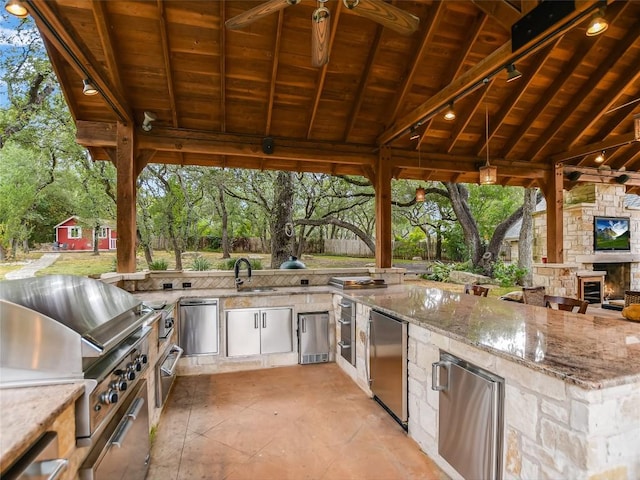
[298, 422]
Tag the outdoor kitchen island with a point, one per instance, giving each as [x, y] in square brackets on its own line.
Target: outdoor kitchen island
[571, 382]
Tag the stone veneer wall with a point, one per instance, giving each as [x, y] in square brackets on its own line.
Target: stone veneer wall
[552, 429]
[581, 205]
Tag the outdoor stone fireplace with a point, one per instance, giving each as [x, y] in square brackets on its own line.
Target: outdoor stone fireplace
[583, 268]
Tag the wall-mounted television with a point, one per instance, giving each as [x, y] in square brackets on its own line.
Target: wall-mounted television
[611, 233]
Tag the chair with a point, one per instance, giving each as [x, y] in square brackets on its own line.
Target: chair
[533, 296]
[476, 290]
[565, 303]
[630, 297]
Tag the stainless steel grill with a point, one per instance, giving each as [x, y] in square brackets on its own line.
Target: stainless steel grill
[353, 283]
[63, 328]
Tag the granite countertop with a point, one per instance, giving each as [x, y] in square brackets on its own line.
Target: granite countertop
[27, 412]
[173, 296]
[589, 351]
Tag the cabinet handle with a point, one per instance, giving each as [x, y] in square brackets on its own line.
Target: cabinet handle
[264, 320]
[435, 380]
[256, 320]
[304, 325]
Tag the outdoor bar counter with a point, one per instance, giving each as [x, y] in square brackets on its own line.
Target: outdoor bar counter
[572, 382]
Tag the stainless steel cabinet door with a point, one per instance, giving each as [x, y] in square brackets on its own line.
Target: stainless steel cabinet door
[198, 333]
[243, 332]
[276, 336]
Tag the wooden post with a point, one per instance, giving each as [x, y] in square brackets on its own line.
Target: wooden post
[553, 193]
[382, 185]
[126, 207]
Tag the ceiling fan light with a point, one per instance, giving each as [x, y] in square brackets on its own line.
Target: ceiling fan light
[16, 8]
[600, 157]
[512, 73]
[450, 114]
[414, 134]
[598, 24]
[88, 88]
[420, 194]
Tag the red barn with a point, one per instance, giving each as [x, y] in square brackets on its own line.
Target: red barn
[70, 235]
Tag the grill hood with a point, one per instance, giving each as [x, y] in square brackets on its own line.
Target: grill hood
[60, 325]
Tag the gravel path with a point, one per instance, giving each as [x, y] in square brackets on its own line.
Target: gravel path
[30, 269]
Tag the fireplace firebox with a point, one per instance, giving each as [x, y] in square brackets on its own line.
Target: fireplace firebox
[617, 280]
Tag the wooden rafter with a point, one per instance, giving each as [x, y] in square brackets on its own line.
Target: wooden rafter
[613, 141]
[364, 81]
[102, 27]
[223, 69]
[322, 74]
[274, 72]
[591, 83]
[618, 158]
[504, 13]
[75, 54]
[56, 59]
[166, 53]
[427, 38]
[464, 117]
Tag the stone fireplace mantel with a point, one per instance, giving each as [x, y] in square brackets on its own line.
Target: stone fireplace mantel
[617, 257]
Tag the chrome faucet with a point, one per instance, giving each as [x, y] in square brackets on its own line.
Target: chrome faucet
[236, 269]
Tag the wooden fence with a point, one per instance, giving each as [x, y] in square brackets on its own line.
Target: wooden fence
[353, 248]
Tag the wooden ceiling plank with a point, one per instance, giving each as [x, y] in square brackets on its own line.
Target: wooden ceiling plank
[617, 159]
[102, 27]
[591, 83]
[628, 78]
[274, 72]
[456, 66]
[504, 13]
[70, 49]
[56, 60]
[490, 65]
[223, 70]
[427, 38]
[364, 81]
[166, 54]
[518, 91]
[322, 74]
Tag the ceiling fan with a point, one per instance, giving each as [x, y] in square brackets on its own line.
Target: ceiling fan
[379, 11]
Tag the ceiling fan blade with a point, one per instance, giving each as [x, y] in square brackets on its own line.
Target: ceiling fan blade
[385, 14]
[320, 36]
[256, 13]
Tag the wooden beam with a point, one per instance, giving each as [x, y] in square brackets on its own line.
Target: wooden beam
[592, 82]
[489, 66]
[274, 72]
[50, 25]
[223, 68]
[126, 204]
[463, 117]
[553, 192]
[504, 13]
[166, 55]
[611, 142]
[102, 27]
[382, 184]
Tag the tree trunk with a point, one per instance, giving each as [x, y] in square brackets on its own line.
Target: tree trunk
[525, 241]
[145, 247]
[459, 196]
[281, 237]
[96, 240]
[224, 216]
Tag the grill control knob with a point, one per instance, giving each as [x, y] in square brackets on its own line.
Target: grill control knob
[143, 358]
[119, 384]
[138, 366]
[126, 374]
[110, 396]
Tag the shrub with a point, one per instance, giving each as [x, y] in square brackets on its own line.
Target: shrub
[508, 274]
[440, 271]
[200, 264]
[161, 264]
[229, 263]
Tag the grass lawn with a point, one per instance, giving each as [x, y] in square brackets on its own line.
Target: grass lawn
[85, 263]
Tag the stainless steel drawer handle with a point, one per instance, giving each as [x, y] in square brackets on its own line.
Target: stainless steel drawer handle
[435, 378]
[344, 344]
[344, 322]
[171, 370]
[121, 434]
[344, 306]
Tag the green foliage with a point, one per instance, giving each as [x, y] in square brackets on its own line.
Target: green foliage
[440, 272]
[406, 249]
[508, 274]
[229, 264]
[201, 264]
[160, 264]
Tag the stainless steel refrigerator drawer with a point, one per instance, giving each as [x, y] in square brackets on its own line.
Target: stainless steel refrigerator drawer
[313, 338]
[470, 417]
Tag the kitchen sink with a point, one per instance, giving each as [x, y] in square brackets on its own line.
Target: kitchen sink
[256, 289]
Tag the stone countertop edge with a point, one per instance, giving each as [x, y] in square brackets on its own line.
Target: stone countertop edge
[27, 412]
[584, 352]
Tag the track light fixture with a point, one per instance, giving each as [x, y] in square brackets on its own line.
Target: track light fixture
[600, 157]
[88, 88]
[414, 134]
[512, 73]
[16, 8]
[450, 114]
[148, 118]
[598, 23]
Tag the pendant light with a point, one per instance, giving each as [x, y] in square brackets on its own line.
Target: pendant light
[420, 193]
[488, 173]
